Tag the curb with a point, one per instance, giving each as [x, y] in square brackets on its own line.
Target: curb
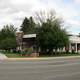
[43, 58]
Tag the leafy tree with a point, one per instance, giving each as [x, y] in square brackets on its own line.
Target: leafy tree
[51, 35]
[8, 37]
[28, 26]
[8, 43]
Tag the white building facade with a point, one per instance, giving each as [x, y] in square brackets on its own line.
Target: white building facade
[74, 44]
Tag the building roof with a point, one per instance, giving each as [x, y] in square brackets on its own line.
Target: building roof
[74, 39]
[29, 36]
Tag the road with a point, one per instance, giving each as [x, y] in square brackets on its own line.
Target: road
[52, 69]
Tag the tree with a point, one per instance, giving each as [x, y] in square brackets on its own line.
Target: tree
[8, 43]
[8, 37]
[28, 26]
[51, 34]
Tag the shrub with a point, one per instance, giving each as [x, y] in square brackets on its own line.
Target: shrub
[27, 51]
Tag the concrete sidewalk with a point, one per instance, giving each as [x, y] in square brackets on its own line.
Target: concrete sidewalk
[44, 58]
[2, 56]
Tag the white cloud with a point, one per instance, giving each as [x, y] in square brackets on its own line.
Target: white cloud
[74, 22]
[77, 1]
[19, 2]
[13, 11]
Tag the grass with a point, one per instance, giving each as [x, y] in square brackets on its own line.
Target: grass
[61, 55]
[17, 55]
[13, 55]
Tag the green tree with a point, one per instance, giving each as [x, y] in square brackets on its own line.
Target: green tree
[28, 26]
[8, 37]
[51, 35]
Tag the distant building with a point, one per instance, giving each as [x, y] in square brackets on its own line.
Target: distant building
[74, 43]
[19, 37]
[29, 40]
[26, 41]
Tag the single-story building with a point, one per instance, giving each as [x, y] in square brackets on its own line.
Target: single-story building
[74, 43]
[29, 40]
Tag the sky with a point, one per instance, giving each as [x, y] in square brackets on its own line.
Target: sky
[14, 11]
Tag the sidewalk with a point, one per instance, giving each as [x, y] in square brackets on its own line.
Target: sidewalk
[2, 56]
[45, 58]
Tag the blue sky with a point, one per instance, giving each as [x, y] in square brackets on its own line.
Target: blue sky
[14, 11]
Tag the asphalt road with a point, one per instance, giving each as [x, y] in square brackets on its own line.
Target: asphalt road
[54, 69]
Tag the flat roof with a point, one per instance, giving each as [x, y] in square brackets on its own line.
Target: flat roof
[29, 36]
[74, 39]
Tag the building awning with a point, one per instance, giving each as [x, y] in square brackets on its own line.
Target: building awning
[29, 36]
